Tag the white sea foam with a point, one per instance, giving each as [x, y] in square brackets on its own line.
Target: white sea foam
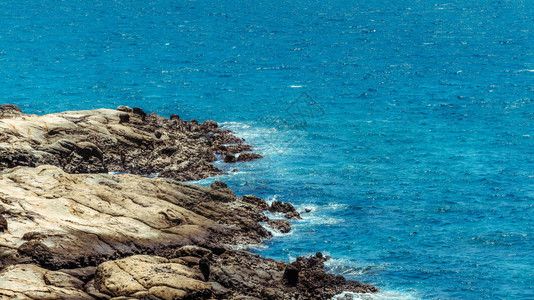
[247, 247]
[267, 141]
[118, 173]
[152, 175]
[346, 267]
[274, 232]
[271, 199]
[383, 295]
[274, 215]
[243, 130]
[350, 268]
[337, 206]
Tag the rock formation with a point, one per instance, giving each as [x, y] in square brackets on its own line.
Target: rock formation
[62, 220]
[122, 140]
[95, 235]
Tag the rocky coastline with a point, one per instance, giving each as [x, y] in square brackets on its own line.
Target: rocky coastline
[78, 221]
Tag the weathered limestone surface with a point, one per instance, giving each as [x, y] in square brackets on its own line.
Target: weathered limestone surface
[143, 275]
[27, 281]
[122, 140]
[65, 220]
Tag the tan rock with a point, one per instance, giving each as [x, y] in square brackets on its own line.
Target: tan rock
[152, 274]
[26, 281]
[76, 220]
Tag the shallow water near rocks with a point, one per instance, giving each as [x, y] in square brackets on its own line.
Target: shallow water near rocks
[406, 127]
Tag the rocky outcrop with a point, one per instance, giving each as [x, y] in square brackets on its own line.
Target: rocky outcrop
[231, 275]
[62, 220]
[74, 222]
[246, 274]
[281, 225]
[65, 235]
[287, 209]
[122, 140]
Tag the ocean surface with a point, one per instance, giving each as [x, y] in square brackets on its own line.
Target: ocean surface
[405, 126]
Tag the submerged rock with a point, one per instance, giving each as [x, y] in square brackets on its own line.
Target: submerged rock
[248, 156]
[281, 225]
[287, 209]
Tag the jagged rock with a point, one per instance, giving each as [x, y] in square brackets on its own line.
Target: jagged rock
[249, 275]
[256, 201]
[218, 185]
[219, 291]
[189, 261]
[231, 275]
[291, 275]
[286, 208]
[292, 215]
[210, 124]
[33, 235]
[248, 156]
[10, 107]
[314, 283]
[124, 118]
[105, 140]
[221, 192]
[61, 279]
[281, 225]
[9, 111]
[230, 158]
[237, 148]
[138, 111]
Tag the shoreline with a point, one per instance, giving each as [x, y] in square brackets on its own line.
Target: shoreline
[81, 233]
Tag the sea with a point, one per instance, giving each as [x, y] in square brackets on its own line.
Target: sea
[405, 128]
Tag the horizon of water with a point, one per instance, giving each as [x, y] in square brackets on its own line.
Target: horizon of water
[405, 126]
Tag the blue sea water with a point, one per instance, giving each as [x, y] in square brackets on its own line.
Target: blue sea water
[406, 126]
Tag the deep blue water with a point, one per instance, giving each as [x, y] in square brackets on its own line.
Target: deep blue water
[407, 126]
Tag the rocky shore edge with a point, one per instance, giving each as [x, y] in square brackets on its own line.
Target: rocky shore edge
[71, 230]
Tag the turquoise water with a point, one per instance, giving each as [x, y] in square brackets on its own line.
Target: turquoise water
[406, 126]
